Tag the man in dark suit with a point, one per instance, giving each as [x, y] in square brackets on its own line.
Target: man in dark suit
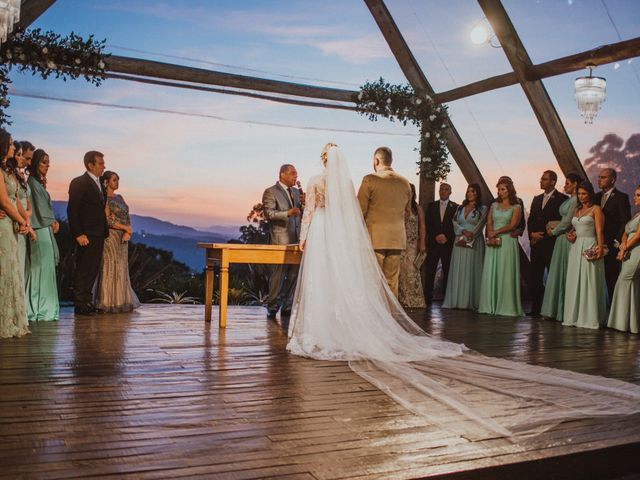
[617, 212]
[440, 237]
[89, 228]
[545, 208]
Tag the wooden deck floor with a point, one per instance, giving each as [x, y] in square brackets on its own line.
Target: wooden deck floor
[161, 394]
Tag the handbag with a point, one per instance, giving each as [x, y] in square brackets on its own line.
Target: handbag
[419, 260]
[462, 241]
[493, 242]
[591, 253]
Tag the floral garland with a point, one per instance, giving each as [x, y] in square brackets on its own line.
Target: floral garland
[49, 54]
[402, 103]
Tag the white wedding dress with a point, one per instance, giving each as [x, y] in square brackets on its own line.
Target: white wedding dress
[344, 310]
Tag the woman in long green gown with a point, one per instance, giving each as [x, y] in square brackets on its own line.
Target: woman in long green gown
[553, 301]
[465, 271]
[625, 306]
[500, 290]
[584, 297]
[42, 289]
[13, 316]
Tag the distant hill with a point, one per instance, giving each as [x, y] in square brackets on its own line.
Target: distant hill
[179, 239]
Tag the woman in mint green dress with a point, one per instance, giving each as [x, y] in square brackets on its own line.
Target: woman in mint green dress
[465, 271]
[585, 302]
[553, 302]
[625, 306]
[500, 288]
[42, 289]
[13, 316]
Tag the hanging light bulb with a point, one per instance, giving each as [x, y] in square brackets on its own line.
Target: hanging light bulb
[9, 16]
[590, 92]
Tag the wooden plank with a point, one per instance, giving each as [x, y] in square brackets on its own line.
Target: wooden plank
[154, 69]
[30, 11]
[534, 90]
[418, 81]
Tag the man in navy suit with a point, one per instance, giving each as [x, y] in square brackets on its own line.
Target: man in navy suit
[440, 237]
[617, 212]
[545, 208]
[89, 228]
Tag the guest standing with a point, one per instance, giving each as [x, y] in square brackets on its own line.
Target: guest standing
[283, 209]
[88, 225]
[385, 201]
[13, 315]
[617, 211]
[465, 272]
[625, 305]
[42, 289]
[410, 293]
[545, 208]
[440, 235]
[113, 291]
[553, 301]
[500, 287]
[585, 296]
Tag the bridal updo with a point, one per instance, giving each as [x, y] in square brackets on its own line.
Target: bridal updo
[324, 155]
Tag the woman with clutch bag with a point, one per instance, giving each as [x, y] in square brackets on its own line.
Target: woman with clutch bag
[585, 302]
[465, 272]
[553, 301]
[410, 293]
[625, 305]
[500, 288]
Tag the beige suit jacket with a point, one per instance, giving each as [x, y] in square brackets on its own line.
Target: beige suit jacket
[385, 199]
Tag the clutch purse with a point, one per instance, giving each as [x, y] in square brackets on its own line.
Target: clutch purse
[553, 224]
[592, 252]
[462, 241]
[627, 253]
[493, 242]
[419, 260]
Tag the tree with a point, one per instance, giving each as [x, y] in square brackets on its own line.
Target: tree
[613, 152]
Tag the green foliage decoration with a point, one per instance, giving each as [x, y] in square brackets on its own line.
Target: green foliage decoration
[402, 103]
[49, 54]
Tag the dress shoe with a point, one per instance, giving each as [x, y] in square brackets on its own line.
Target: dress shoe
[98, 311]
[271, 314]
[533, 314]
[83, 311]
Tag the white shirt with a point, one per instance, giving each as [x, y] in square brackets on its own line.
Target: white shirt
[95, 179]
[443, 208]
[289, 194]
[605, 196]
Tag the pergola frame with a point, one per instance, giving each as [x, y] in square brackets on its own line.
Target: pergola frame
[524, 72]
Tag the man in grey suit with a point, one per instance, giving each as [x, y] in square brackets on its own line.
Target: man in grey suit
[282, 206]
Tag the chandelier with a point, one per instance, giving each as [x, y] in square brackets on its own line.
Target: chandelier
[590, 92]
[9, 15]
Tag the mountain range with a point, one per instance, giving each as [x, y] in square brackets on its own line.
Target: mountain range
[179, 239]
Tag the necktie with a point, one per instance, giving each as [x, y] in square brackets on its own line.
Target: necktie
[291, 197]
[545, 199]
[443, 207]
[605, 197]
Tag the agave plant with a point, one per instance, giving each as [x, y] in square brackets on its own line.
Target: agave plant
[174, 298]
[236, 296]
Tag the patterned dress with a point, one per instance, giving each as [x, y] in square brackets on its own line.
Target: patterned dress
[113, 292]
[13, 314]
[410, 293]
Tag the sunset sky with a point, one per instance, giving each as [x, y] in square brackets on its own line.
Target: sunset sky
[201, 171]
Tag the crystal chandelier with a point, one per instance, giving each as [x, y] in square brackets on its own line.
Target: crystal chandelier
[590, 92]
[9, 15]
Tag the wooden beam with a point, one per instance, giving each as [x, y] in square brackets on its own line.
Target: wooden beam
[30, 10]
[614, 52]
[535, 91]
[417, 79]
[149, 68]
[603, 55]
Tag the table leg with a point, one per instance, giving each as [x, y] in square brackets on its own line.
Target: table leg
[224, 291]
[208, 291]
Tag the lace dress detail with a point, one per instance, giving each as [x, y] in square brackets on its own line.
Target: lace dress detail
[315, 199]
[410, 292]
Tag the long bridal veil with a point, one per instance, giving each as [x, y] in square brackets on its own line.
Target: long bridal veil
[344, 310]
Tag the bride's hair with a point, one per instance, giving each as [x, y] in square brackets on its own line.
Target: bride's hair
[325, 151]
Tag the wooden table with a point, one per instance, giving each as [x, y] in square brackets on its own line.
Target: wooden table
[228, 253]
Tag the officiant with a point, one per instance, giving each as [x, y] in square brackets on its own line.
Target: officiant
[282, 206]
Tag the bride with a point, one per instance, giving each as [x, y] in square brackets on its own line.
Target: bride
[344, 310]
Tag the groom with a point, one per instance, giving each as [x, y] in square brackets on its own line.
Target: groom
[283, 209]
[385, 199]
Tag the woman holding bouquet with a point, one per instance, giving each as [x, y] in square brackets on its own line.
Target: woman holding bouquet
[500, 290]
[585, 302]
[465, 272]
